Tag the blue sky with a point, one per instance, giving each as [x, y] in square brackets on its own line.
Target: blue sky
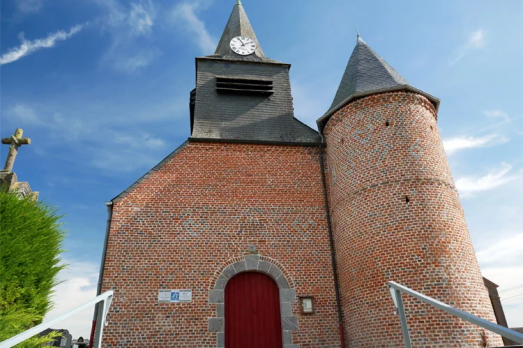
[102, 89]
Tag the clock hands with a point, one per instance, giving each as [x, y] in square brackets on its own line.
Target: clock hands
[243, 45]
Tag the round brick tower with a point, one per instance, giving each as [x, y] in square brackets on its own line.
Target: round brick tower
[396, 213]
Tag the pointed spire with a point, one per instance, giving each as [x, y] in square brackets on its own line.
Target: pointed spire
[368, 73]
[238, 25]
[357, 33]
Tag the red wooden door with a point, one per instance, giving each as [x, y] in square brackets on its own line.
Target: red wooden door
[252, 312]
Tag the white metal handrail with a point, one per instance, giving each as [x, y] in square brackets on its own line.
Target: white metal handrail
[106, 298]
[396, 290]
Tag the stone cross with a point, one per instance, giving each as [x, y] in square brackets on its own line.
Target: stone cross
[15, 141]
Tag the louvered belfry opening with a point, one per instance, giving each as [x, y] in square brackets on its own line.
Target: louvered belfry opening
[244, 86]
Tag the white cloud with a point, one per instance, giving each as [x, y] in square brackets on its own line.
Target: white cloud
[27, 116]
[186, 12]
[130, 27]
[141, 60]
[79, 286]
[29, 5]
[456, 144]
[28, 47]
[128, 152]
[24, 114]
[141, 20]
[115, 14]
[508, 250]
[104, 147]
[501, 263]
[477, 40]
[467, 186]
[497, 114]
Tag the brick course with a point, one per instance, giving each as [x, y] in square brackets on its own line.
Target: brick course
[397, 216]
[184, 224]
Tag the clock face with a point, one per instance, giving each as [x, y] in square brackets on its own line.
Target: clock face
[243, 45]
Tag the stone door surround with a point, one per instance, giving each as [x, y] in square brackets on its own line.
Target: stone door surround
[253, 263]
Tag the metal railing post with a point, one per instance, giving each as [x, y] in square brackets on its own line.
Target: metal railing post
[403, 319]
[101, 321]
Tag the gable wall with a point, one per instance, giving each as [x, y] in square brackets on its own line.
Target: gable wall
[202, 209]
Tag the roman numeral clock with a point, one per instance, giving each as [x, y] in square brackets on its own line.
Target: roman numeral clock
[243, 45]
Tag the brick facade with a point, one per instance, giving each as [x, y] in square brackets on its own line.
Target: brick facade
[397, 216]
[197, 214]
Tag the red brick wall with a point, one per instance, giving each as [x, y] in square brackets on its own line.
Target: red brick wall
[202, 209]
[423, 244]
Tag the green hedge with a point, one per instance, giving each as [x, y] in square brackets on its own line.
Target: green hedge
[30, 246]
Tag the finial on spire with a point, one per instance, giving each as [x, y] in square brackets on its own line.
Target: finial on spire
[239, 2]
[357, 32]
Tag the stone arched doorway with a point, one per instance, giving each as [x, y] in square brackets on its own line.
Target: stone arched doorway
[253, 263]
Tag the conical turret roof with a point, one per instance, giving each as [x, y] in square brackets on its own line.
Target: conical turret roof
[239, 25]
[367, 73]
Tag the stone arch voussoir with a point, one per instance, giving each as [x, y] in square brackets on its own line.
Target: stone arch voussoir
[253, 263]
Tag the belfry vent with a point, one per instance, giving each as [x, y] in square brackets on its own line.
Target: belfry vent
[244, 86]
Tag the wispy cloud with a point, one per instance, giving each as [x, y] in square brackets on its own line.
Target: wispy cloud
[130, 27]
[78, 287]
[501, 263]
[103, 146]
[128, 151]
[141, 19]
[508, 250]
[137, 62]
[453, 145]
[186, 12]
[28, 47]
[29, 5]
[26, 115]
[497, 114]
[468, 186]
[477, 40]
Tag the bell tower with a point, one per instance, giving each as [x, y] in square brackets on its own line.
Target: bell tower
[396, 212]
[243, 96]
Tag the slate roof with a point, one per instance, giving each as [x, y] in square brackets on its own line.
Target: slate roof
[368, 73]
[239, 25]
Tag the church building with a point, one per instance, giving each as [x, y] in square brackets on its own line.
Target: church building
[261, 232]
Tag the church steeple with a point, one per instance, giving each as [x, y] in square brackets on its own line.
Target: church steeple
[367, 73]
[243, 96]
[238, 25]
